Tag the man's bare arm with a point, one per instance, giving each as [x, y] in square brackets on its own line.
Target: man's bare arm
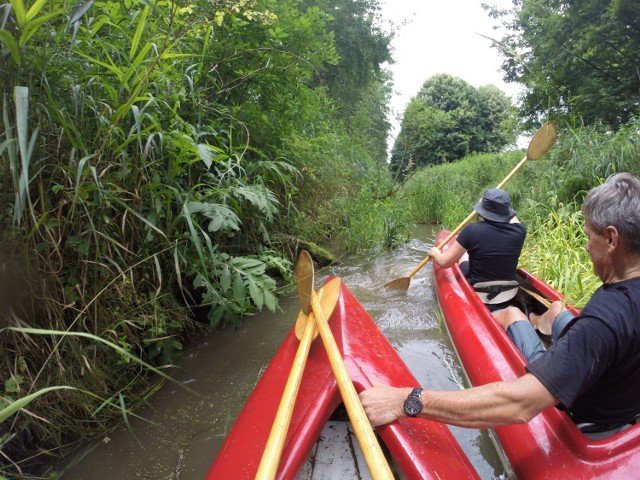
[487, 406]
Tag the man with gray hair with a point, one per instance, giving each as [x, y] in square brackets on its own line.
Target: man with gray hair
[592, 369]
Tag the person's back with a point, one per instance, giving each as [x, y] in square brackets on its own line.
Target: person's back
[595, 371]
[494, 250]
[488, 250]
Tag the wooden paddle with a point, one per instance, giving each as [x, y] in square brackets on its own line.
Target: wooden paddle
[540, 144]
[373, 455]
[328, 298]
[540, 298]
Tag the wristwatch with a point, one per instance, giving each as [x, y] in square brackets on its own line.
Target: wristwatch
[413, 404]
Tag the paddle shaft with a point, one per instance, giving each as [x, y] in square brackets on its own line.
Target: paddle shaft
[373, 455]
[273, 450]
[545, 301]
[540, 298]
[467, 220]
[540, 144]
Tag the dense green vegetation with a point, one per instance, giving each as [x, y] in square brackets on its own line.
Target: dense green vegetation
[161, 162]
[546, 193]
[449, 119]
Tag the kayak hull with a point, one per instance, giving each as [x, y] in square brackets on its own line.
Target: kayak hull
[550, 445]
[422, 449]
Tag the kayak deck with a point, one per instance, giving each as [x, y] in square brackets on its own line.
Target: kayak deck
[336, 454]
[419, 448]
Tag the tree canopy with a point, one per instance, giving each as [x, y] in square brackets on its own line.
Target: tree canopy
[448, 119]
[576, 57]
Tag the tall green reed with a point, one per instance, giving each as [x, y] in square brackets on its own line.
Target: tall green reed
[555, 251]
[446, 193]
[374, 222]
[126, 213]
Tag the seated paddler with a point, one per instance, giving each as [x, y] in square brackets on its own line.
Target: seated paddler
[488, 250]
[592, 368]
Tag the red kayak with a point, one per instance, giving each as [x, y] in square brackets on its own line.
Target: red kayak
[420, 448]
[549, 446]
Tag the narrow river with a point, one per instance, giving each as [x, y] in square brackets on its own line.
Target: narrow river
[184, 430]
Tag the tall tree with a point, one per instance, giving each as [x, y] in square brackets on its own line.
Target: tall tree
[449, 119]
[498, 118]
[576, 57]
[361, 45]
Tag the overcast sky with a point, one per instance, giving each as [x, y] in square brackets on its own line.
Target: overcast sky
[442, 37]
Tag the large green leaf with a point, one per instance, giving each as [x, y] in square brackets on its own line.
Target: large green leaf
[221, 217]
[21, 12]
[35, 8]
[142, 24]
[16, 405]
[12, 45]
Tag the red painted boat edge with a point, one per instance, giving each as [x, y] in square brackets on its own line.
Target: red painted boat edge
[423, 449]
[550, 445]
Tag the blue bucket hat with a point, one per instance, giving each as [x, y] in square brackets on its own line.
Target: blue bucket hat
[495, 206]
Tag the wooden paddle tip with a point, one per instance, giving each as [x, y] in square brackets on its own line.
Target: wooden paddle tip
[398, 283]
[304, 275]
[542, 141]
[328, 298]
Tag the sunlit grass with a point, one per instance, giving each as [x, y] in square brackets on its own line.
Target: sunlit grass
[554, 251]
[546, 193]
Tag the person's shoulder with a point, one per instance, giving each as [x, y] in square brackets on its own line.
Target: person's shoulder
[476, 228]
[614, 300]
[475, 225]
[520, 227]
[634, 282]
[621, 286]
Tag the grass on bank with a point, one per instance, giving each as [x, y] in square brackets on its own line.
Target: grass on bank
[546, 193]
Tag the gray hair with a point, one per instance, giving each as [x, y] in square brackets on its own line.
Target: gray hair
[616, 203]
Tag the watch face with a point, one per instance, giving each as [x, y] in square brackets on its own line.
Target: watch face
[412, 406]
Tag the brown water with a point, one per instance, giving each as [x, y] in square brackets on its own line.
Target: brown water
[184, 430]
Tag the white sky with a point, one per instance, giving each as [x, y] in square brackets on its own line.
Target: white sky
[441, 36]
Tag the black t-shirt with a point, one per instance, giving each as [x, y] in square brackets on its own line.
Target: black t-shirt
[494, 249]
[594, 368]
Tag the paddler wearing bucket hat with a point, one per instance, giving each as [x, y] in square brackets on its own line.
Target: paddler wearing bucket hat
[488, 250]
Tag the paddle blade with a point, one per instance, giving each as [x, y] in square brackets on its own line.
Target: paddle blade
[401, 283]
[328, 298]
[542, 141]
[304, 277]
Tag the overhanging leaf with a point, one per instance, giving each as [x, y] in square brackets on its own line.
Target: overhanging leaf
[35, 9]
[13, 407]
[21, 12]
[139, 30]
[117, 348]
[206, 154]
[12, 45]
[257, 294]
[238, 287]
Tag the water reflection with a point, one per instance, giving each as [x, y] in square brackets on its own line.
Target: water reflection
[222, 368]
